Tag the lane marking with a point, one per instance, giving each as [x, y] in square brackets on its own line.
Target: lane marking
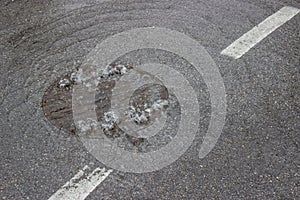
[81, 185]
[242, 45]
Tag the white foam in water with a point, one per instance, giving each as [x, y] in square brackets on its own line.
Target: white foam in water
[110, 120]
[141, 116]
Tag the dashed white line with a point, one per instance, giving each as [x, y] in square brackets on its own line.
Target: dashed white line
[242, 45]
[81, 185]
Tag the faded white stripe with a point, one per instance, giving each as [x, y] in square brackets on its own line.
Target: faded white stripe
[242, 45]
[81, 185]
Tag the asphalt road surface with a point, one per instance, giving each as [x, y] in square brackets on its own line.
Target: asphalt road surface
[257, 154]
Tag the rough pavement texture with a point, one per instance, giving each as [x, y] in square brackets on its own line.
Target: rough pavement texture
[257, 155]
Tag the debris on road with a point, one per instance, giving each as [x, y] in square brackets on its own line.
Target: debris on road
[137, 115]
[160, 104]
[110, 72]
[64, 83]
[140, 116]
[110, 121]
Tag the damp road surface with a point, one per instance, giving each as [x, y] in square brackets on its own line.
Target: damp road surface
[257, 154]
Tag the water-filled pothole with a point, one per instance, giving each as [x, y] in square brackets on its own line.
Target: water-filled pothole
[149, 99]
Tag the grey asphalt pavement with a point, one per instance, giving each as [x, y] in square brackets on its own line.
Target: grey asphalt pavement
[257, 154]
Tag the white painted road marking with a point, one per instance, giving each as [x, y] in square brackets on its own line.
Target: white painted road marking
[242, 45]
[81, 185]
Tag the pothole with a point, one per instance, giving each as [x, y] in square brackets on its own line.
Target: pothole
[57, 105]
[145, 105]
